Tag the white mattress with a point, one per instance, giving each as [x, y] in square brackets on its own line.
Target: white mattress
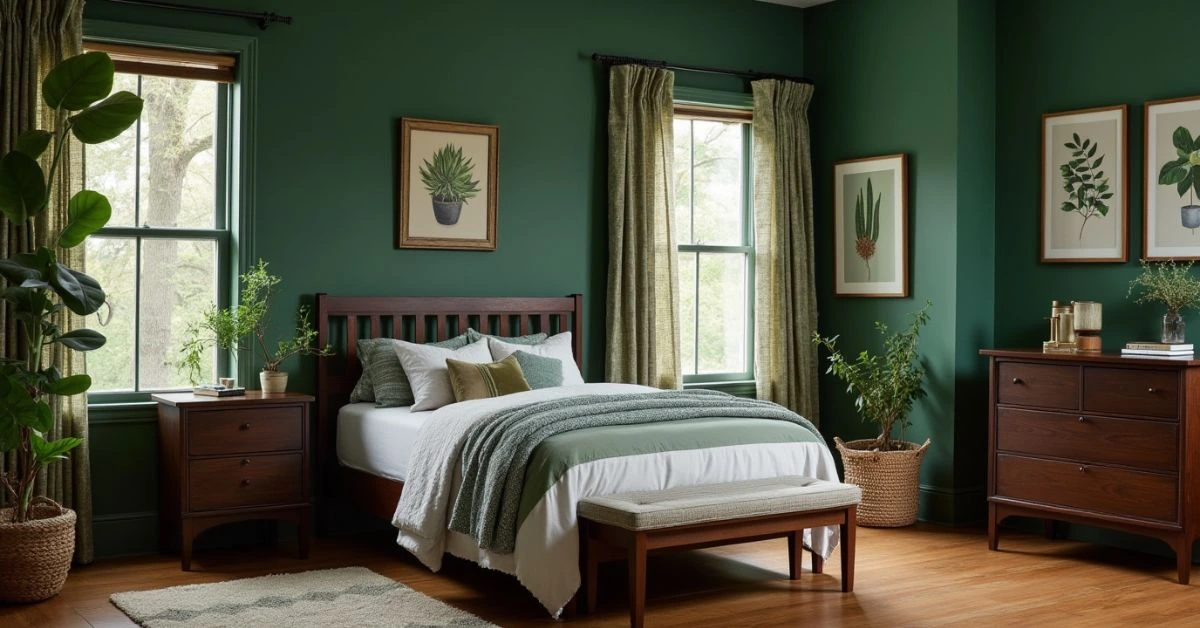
[377, 440]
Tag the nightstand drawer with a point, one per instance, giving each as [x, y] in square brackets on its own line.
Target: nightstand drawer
[1094, 488]
[1136, 443]
[1131, 391]
[1039, 385]
[246, 430]
[217, 483]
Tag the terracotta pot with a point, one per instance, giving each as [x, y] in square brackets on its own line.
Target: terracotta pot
[273, 381]
[36, 555]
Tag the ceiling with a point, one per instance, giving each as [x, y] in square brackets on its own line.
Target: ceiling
[798, 3]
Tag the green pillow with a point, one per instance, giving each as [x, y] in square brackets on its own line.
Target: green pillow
[531, 339]
[482, 381]
[388, 381]
[364, 390]
[540, 371]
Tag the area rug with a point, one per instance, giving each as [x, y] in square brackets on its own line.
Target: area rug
[348, 597]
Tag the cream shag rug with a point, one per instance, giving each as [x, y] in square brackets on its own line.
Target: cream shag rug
[349, 597]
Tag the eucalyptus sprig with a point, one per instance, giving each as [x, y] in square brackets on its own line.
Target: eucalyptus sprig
[1169, 283]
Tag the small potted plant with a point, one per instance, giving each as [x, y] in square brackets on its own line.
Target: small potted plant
[1184, 173]
[247, 322]
[37, 535]
[885, 467]
[448, 180]
[1171, 284]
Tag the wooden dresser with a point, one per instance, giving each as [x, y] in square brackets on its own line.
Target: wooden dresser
[227, 459]
[1096, 439]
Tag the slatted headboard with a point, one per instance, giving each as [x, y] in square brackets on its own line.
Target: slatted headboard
[341, 321]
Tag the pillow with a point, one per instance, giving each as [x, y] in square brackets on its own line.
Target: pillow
[531, 339]
[481, 381]
[364, 390]
[557, 346]
[388, 380]
[540, 372]
[425, 366]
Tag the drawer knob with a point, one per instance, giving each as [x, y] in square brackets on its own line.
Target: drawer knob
[244, 427]
[247, 482]
[1017, 380]
[1082, 420]
[246, 461]
[1083, 469]
[1150, 390]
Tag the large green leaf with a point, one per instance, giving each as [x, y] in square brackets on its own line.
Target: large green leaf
[79, 292]
[1195, 182]
[67, 386]
[1184, 183]
[1182, 139]
[87, 212]
[79, 81]
[106, 119]
[1173, 172]
[34, 143]
[83, 339]
[45, 452]
[22, 187]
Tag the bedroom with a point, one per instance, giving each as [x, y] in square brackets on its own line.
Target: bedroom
[958, 87]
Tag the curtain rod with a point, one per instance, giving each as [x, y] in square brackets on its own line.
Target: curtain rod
[264, 18]
[747, 74]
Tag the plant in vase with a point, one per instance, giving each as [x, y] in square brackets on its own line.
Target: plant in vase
[448, 181]
[1184, 173]
[885, 387]
[1171, 284]
[246, 323]
[37, 536]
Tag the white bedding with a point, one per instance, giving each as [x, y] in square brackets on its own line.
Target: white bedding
[378, 441]
[545, 559]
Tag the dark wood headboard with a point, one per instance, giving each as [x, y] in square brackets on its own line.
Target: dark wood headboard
[341, 321]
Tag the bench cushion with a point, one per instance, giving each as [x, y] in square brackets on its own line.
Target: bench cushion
[687, 505]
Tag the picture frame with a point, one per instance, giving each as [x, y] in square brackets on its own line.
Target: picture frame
[1171, 190]
[870, 239]
[1084, 213]
[447, 185]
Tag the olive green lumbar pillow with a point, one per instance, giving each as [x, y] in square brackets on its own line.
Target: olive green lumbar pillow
[531, 339]
[389, 384]
[482, 381]
[540, 371]
[364, 390]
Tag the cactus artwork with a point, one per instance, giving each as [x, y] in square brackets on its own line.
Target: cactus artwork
[866, 225]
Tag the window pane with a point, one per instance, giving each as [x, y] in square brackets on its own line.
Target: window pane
[683, 181]
[717, 170]
[179, 282]
[178, 168]
[687, 312]
[722, 329]
[111, 261]
[111, 168]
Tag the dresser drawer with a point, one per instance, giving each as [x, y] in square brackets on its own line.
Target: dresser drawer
[1129, 442]
[1094, 488]
[1040, 385]
[216, 483]
[1131, 391]
[249, 430]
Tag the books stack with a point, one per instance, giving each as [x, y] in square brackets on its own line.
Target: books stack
[1157, 350]
[217, 390]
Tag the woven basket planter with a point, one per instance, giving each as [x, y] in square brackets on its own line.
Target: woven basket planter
[890, 481]
[36, 555]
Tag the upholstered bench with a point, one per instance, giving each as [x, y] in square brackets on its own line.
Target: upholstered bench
[629, 525]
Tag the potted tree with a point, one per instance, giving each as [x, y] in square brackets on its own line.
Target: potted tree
[1184, 173]
[448, 180]
[234, 328]
[885, 467]
[1172, 285]
[37, 535]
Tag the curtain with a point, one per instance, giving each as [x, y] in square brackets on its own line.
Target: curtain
[643, 298]
[34, 36]
[785, 310]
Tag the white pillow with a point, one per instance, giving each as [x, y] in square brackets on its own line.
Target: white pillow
[557, 346]
[425, 366]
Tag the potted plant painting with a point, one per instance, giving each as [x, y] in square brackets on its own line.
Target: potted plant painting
[866, 225]
[37, 535]
[448, 180]
[884, 386]
[1173, 285]
[1184, 174]
[245, 324]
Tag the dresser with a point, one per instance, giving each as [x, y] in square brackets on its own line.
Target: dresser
[1096, 439]
[228, 459]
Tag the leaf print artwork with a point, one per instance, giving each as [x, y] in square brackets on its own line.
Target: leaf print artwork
[1086, 185]
[1184, 173]
[866, 225]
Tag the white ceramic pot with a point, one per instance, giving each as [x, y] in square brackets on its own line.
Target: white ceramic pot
[273, 381]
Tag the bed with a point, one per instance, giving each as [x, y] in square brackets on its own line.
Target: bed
[408, 467]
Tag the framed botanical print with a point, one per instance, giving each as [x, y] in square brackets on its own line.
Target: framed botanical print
[447, 185]
[1085, 211]
[871, 227]
[1172, 186]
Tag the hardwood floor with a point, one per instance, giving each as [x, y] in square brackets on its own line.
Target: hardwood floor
[920, 576]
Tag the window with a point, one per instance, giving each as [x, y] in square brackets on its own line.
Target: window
[166, 252]
[715, 230]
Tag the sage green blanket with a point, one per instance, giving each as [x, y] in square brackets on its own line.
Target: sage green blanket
[505, 472]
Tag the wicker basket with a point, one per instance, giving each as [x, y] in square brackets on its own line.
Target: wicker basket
[889, 481]
[36, 555]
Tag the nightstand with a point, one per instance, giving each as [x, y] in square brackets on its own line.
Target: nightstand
[227, 459]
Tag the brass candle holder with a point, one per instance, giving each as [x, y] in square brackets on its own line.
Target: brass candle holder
[1062, 329]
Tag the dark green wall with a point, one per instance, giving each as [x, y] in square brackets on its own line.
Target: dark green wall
[331, 88]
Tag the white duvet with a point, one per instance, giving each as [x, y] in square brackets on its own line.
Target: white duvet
[546, 557]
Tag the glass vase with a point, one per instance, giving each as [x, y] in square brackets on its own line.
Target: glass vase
[1173, 328]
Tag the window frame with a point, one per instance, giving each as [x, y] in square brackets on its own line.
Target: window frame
[690, 103]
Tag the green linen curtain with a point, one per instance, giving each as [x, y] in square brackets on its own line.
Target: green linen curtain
[785, 310]
[643, 296]
[34, 36]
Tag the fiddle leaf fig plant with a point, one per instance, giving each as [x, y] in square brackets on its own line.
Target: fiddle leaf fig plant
[1086, 184]
[448, 178]
[37, 286]
[1183, 172]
